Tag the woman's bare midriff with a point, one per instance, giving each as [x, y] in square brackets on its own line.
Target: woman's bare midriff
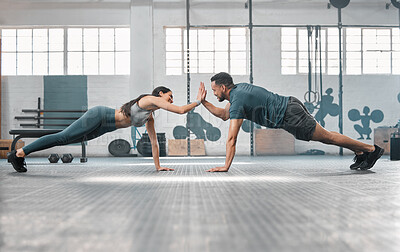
[121, 121]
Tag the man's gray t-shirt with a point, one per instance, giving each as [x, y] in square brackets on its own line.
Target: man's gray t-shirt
[258, 105]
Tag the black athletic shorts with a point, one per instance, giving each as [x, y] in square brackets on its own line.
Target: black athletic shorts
[298, 121]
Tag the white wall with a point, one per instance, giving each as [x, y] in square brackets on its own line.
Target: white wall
[58, 13]
[148, 60]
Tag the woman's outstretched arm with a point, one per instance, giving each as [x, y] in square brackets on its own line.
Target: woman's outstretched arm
[154, 144]
[159, 102]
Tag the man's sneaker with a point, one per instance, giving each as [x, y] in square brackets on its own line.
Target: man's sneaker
[17, 162]
[358, 159]
[372, 157]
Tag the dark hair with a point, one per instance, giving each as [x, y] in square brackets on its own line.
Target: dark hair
[223, 78]
[126, 108]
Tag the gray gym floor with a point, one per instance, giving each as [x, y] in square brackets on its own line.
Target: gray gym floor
[299, 203]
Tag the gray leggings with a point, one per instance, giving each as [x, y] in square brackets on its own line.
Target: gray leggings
[94, 123]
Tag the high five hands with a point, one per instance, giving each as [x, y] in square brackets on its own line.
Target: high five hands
[201, 95]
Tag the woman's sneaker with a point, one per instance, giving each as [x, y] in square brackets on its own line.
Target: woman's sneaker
[372, 157]
[358, 159]
[17, 162]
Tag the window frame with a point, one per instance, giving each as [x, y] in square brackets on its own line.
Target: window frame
[65, 60]
[183, 50]
[345, 62]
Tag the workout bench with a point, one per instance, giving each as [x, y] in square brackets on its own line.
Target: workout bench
[37, 132]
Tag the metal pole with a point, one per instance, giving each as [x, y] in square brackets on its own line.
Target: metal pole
[320, 69]
[0, 84]
[38, 113]
[217, 26]
[324, 26]
[251, 70]
[309, 33]
[294, 26]
[187, 74]
[316, 59]
[340, 78]
[371, 26]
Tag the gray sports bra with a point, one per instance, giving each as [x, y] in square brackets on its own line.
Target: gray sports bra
[139, 116]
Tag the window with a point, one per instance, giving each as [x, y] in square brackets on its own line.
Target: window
[89, 51]
[98, 51]
[211, 51]
[376, 51]
[174, 57]
[9, 49]
[372, 51]
[333, 51]
[314, 54]
[295, 56]
[32, 51]
[289, 50]
[364, 51]
[395, 51]
[353, 51]
[56, 52]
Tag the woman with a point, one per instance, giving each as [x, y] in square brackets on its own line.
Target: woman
[100, 120]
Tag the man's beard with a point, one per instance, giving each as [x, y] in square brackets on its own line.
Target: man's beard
[221, 98]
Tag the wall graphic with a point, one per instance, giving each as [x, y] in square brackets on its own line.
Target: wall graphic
[246, 126]
[364, 129]
[198, 126]
[326, 106]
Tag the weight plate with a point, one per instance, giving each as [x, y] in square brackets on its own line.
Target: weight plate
[340, 3]
[246, 126]
[213, 134]
[309, 106]
[377, 116]
[396, 3]
[119, 147]
[180, 132]
[354, 115]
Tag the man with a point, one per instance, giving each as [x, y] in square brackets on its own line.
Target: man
[275, 111]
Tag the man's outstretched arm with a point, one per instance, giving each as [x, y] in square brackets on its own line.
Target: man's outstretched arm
[222, 113]
[218, 112]
[234, 128]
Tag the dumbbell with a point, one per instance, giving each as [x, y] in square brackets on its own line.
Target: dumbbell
[53, 158]
[67, 158]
